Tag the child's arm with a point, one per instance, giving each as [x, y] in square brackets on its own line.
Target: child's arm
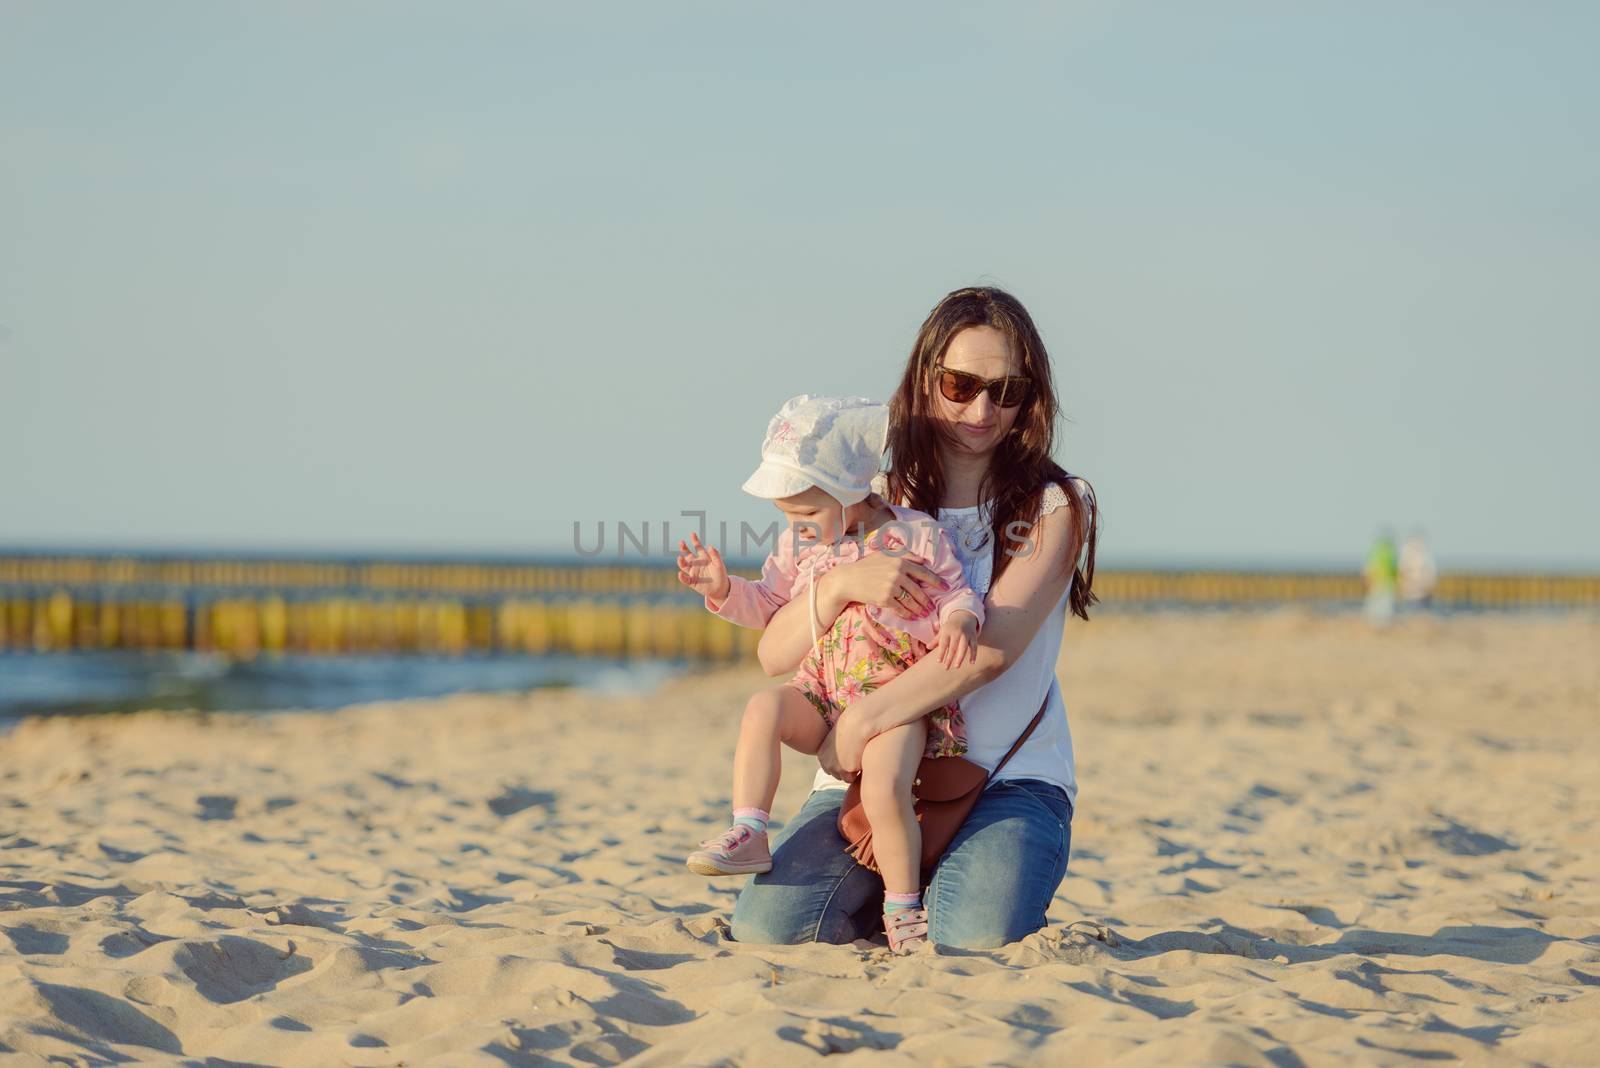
[702, 570]
[957, 596]
[957, 642]
[959, 608]
[738, 600]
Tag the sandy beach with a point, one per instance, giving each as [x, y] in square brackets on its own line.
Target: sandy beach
[1299, 842]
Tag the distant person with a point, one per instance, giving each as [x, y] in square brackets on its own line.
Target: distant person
[1418, 573]
[1382, 577]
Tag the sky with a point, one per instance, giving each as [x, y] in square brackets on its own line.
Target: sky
[426, 278]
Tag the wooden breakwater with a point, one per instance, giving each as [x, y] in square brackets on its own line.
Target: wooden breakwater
[248, 625]
[247, 607]
[1455, 591]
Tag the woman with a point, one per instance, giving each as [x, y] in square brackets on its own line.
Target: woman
[971, 429]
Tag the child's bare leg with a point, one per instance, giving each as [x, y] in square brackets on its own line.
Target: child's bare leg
[888, 768]
[779, 714]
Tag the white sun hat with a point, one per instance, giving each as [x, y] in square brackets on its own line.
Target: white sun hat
[834, 443]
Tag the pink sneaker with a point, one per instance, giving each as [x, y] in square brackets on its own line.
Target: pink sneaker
[736, 851]
[907, 929]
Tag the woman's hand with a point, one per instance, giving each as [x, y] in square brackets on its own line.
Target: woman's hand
[840, 752]
[702, 570]
[828, 757]
[898, 583]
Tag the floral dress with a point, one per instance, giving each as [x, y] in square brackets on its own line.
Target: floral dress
[859, 653]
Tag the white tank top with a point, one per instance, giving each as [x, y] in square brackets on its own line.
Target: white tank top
[999, 711]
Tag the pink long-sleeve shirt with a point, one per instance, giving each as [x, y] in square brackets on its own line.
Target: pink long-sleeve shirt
[785, 573]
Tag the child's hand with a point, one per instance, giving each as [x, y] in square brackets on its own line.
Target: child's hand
[957, 642]
[702, 570]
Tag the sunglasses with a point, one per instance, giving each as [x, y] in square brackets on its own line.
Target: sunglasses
[961, 388]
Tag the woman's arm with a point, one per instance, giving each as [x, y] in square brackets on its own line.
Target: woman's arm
[788, 635]
[891, 582]
[1017, 606]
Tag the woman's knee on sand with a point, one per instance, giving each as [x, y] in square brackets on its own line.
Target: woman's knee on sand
[814, 888]
[995, 884]
[764, 915]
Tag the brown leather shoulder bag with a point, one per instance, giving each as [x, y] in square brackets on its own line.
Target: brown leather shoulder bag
[945, 791]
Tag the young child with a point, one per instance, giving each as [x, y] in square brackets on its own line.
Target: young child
[818, 462]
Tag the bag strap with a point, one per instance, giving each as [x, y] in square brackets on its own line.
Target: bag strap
[1037, 716]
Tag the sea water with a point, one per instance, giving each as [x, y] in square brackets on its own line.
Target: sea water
[87, 682]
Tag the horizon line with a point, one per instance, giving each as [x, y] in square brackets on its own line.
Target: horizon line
[1287, 563]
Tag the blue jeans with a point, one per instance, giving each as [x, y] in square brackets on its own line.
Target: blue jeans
[992, 886]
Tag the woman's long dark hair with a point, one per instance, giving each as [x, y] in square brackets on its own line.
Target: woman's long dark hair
[1021, 465]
